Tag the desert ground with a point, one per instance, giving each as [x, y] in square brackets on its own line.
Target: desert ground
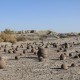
[27, 65]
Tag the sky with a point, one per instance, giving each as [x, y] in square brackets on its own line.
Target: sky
[56, 15]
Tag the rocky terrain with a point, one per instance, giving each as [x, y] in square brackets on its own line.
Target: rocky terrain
[46, 56]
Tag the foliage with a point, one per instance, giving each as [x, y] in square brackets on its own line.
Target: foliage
[21, 38]
[7, 36]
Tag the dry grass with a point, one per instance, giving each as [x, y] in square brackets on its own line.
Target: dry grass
[21, 38]
[8, 37]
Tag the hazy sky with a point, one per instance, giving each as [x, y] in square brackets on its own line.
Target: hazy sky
[57, 15]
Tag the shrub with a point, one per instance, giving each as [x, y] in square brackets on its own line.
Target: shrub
[66, 45]
[62, 57]
[16, 48]
[70, 54]
[64, 50]
[21, 46]
[58, 50]
[16, 58]
[49, 32]
[8, 37]
[8, 31]
[54, 45]
[33, 50]
[76, 56]
[21, 38]
[79, 34]
[73, 65]
[24, 51]
[20, 54]
[9, 51]
[79, 55]
[32, 31]
[42, 37]
[14, 51]
[5, 50]
[46, 46]
[1, 40]
[66, 54]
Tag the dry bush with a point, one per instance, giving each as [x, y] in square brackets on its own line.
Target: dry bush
[14, 51]
[66, 54]
[62, 57]
[8, 31]
[70, 54]
[21, 38]
[9, 51]
[8, 37]
[32, 31]
[42, 37]
[24, 51]
[73, 65]
[33, 50]
[5, 50]
[76, 56]
[16, 57]
[1, 40]
[79, 55]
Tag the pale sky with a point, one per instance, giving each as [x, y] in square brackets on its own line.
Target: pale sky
[56, 15]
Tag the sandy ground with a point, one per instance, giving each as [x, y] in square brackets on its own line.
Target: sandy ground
[29, 68]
